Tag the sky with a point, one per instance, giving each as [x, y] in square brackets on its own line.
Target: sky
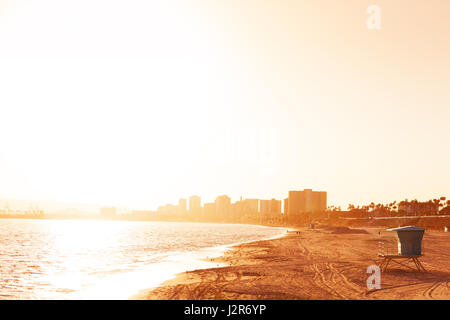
[138, 103]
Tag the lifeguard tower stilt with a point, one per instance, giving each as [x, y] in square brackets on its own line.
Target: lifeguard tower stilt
[409, 248]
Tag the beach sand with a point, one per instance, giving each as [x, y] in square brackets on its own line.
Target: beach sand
[321, 263]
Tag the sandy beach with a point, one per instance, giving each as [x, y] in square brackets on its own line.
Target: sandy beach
[321, 263]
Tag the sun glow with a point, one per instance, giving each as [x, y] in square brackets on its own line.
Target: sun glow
[138, 103]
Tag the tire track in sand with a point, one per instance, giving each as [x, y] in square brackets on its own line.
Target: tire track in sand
[428, 293]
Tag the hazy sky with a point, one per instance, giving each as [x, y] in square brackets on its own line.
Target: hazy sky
[137, 103]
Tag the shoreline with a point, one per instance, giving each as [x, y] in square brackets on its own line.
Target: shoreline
[210, 257]
[214, 259]
[326, 263]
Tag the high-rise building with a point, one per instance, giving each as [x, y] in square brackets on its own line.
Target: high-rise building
[270, 207]
[195, 206]
[236, 211]
[295, 200]
[286, 206]
[250, 206]
[306, 201]
[322, 201]
[275, 207]
[223, 208]
[209, 211]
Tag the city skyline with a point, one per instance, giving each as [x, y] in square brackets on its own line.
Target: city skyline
[93, 208]
[186, 205]
[302, 201]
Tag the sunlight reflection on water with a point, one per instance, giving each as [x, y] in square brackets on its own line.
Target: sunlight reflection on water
[56, 259]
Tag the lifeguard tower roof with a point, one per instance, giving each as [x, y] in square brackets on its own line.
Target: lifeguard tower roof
[407, 228]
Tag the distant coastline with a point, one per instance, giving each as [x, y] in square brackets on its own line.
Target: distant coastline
[431, 222]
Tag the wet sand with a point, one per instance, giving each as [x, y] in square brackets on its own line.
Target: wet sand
[322, 263]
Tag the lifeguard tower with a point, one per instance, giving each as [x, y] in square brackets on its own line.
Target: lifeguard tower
[409, 240]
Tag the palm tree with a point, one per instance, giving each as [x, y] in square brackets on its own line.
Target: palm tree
[437, 204]
[441, 205]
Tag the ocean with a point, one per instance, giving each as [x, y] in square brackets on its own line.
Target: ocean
[88, 259]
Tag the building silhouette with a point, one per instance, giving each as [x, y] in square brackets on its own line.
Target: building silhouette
[195, 206]
[209, 211]
[306, 201]
[223, 208]
[245, 210]
[270, 207]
